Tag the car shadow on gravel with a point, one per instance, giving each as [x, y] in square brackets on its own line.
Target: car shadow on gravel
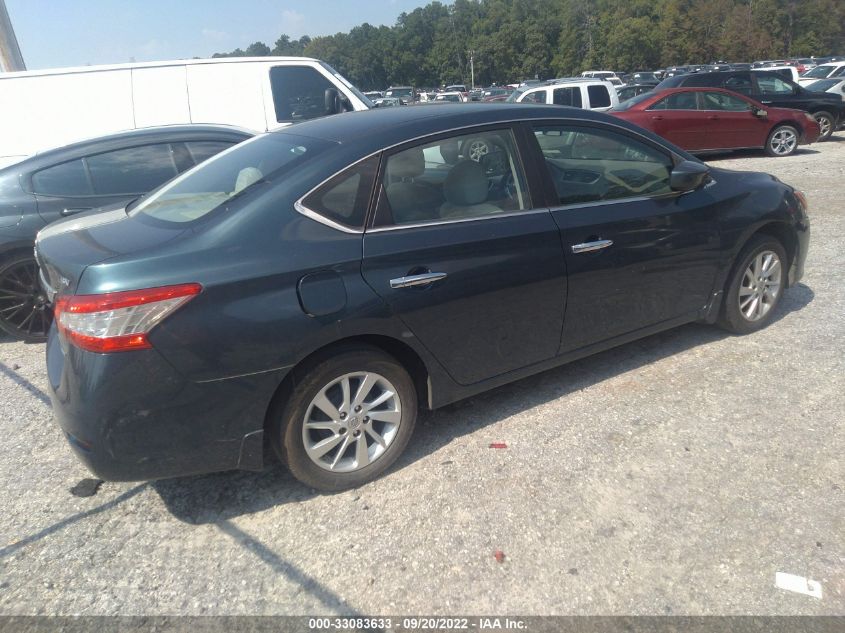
[222, 496]
[754, 153]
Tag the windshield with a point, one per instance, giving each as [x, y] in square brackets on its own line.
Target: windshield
[516, 94]
[399, 92]
[348, 85]
[226, 176]
[818, 71]
[630, 103]
[822, 85]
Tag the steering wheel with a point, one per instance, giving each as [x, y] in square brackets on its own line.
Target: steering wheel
[616, 180]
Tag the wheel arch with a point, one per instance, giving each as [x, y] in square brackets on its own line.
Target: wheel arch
[11, 250]
[783, 234]
[402, 352]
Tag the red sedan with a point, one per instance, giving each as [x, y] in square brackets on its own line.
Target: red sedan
[712, 119]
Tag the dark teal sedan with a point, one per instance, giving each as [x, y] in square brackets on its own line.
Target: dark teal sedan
[310, 289]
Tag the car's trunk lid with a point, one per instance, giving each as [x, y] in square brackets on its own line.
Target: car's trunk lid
[66, 248]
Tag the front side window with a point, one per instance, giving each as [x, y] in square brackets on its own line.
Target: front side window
[722, 101]
[230, 174]
[593, 165]
[567, 96]
[739, 83]
[66, 179]
[599, 96]
[460, 177]
[299, 93]
[677, 101]
[773, 85]
[132, 170]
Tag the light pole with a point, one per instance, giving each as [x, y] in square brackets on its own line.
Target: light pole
[471, 66]
[10, 53]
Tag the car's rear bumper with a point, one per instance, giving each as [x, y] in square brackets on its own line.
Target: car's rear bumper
[131, 416]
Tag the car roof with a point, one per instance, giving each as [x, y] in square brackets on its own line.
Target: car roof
[161, 133]
[365, 132]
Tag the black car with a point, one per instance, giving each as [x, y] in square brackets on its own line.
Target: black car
[311, 288]
[769, 88]
[632, 90]
[65, 181]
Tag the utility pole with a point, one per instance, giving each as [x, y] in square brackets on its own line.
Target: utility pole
[10, 53]
[471, 65]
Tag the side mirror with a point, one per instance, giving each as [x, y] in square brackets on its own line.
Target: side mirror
[760, 113]
[688, 176]
[334, 102]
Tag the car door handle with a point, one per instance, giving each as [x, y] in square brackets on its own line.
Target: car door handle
[713, 117]
[657, 118]
[72, 210]
[410, 281]
[588, 247]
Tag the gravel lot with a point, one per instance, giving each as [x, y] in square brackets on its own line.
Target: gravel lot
[674, 475]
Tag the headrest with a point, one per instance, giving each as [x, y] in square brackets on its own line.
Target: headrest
[466, 184]
[246, 177]
[450, 151]
[408, 164]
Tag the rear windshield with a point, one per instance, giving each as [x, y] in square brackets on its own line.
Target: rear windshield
[227, 176]
[630, 103]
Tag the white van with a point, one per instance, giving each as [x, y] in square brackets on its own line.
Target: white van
[48, 108]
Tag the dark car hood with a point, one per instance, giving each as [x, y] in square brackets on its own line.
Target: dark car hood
[66, 248]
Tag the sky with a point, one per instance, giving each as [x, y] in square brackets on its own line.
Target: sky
[56, 33]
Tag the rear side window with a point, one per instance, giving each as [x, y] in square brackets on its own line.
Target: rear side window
[203, 150]
[344, 199]
[599, 96]
[677, 101]
[132, 170]
[567, 96]
[299, 93]
[66, 179]
[739, 83]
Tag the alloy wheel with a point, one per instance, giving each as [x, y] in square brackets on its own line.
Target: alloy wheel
[351, 422]
[783, 142]
[478, 148]
[761, 286]
[824, 126]
[24, 310]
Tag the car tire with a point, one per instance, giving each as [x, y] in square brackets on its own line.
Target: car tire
[826, 122]
[301, 430]
[24, 313]
[782, 141]
[751, 298]
[476, 148]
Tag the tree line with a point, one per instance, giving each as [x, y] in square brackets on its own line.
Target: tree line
[511, 40]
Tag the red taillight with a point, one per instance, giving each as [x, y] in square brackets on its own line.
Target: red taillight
[118, 321]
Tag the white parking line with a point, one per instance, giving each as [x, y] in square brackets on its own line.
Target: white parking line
[798, 584]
